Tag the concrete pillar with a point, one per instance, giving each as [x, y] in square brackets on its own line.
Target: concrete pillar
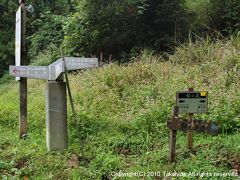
[56, 116]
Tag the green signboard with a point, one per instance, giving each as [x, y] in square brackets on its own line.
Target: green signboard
[192, 102]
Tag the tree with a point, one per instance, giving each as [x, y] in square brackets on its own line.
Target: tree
[45, 28]
[225, 16]
[7, 26]
[114, 26]
[163, 23]
[98, 26]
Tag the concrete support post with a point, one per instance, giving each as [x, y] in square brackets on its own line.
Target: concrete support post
[56, 116]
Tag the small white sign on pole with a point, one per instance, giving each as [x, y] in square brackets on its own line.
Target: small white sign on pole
[54, 70]
[35, 72]
[75, 63]
[18, 39]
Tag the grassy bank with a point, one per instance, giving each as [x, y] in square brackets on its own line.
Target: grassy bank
[122, 113]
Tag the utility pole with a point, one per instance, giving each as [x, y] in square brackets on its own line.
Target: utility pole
[21, 59]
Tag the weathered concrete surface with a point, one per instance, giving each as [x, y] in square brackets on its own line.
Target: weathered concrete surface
[56, 112]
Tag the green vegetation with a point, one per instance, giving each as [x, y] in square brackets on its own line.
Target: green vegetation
[226, 15]
[114, 28]
[122, 108]
[7, 14]
[122, 113]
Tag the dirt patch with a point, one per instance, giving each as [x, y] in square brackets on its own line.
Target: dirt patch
[123, 151]
[231, 159]
[76, 161]
[73, 161]
[235, 164]
[21, 163]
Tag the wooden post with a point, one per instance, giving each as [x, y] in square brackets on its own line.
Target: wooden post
[189, 133]
[23, 81]
[172, 137]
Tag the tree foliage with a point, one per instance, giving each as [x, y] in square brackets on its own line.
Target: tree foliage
[97, 26]
[111, 27]
[7, 24]
[44, 38]
[114, 26]
[226, 15]
[45, 27]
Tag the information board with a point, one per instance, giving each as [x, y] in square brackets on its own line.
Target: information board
[54, 70]
[192, 102]
[74, 63]
[36, 72]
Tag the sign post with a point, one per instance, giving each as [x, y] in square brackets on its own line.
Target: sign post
[56, 103]
[173, 136]
[21, 59]
[189, 102]
[189, 133]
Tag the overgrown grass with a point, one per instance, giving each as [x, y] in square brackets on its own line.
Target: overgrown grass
[122, 113]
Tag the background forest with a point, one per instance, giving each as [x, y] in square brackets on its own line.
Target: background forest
[118, 29]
